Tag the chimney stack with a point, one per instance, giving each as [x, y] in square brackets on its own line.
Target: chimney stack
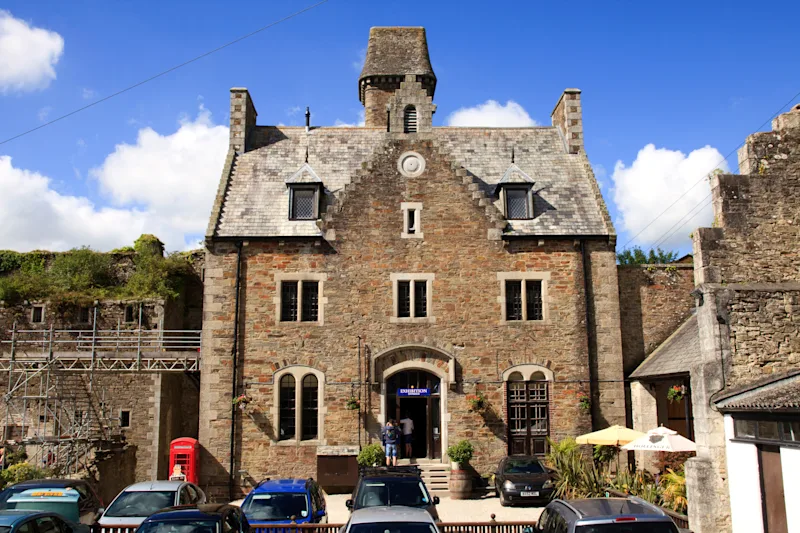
[568, 118]
[243, 119]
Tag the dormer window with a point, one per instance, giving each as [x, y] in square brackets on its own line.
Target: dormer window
[410, 119]
[519, 202]
[303, 202]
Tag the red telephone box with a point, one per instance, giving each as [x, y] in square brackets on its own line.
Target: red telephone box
[184, 459]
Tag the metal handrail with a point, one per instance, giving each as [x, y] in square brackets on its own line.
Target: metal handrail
[105, 340]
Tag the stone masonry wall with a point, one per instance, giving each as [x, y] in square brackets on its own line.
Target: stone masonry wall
[357, 295]
[654, 300]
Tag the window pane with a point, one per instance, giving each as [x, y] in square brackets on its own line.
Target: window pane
[310, 301]
[538, 390]
[412, 228]
[287, 408]
[310, 407]
[513, 300]
[534, 297]
[744, 429]
[129, 313]
[288, 301]
[403, 299]
[303, 204]
[517, 203]
[420, 299]
[38, 315]
[768, 429]
[791, 431]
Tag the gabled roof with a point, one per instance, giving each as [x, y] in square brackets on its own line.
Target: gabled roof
[305, 174]
[779, 393]
[515, 175]
[674, 356]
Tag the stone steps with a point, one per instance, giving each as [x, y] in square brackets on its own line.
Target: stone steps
[435, 474]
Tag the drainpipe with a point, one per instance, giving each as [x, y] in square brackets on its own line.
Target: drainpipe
[235, 355]
[360, 387]
[592, 369]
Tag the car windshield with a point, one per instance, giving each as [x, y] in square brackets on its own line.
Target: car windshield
[523, 466]
[409, 492]
[629, 527]
[179, 526]
[393, 527]
[140, 503]
[276, 506]
[68, 510]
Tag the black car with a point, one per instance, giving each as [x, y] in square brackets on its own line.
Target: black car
[604, 515]
[522, 479]
[90, 506]
[387, 486]
[203, 518]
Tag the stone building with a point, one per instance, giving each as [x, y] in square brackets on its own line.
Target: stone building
[400, 267]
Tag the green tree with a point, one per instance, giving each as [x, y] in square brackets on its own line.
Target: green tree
[637, 256]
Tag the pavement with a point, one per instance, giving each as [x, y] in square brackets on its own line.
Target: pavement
[479, 510]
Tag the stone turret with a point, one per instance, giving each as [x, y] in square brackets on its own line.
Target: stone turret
[397, 58]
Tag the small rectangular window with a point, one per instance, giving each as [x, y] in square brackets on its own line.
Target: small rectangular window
[125, 418]
[303, 206]
[420, 299]
[288, 301]
[37, 314]
[791, 431]
[517, 203]
[84, 316]
[534, 299]
[404, 299]
[744, 428]
[310, 309]
[129, 314]
[513, 300]
[412, 228]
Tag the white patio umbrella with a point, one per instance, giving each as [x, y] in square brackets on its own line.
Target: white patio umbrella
[661, 439]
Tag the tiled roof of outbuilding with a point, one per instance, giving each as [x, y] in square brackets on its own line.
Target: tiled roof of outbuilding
[773, 393]
[676, 355]
[567, 200]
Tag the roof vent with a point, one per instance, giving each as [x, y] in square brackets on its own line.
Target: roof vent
[410, 120]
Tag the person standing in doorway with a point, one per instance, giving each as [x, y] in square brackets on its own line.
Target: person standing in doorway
[408, 434]
[390, 436]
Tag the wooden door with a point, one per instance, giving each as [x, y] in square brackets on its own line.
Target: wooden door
[772, 498]
[529, 420]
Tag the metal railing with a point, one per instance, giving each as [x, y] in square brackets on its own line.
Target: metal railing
[444, 527]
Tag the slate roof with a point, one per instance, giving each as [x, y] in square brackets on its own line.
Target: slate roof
[676, 355]
[256, 198]
[773, 393]
[397, 51]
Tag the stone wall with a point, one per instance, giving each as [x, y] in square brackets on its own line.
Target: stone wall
[654, 300]
[364, 250]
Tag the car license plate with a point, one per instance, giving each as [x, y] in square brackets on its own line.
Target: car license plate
[529, 494]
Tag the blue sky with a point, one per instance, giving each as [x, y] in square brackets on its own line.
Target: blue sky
[691, 80]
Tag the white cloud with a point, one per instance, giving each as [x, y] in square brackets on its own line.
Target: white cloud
[362, 117]
[657, 178]
[492, 114]
[162, 184]
[28, 55]
[292, 111]
[44, 113]
[88, 94]
[358, 64]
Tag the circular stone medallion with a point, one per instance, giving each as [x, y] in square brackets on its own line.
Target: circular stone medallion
[411, 164]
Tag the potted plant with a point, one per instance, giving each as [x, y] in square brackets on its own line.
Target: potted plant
[676, 393]
[460, 485]
[352, 404]
[476, 401]
[584, 402]
[241, 401]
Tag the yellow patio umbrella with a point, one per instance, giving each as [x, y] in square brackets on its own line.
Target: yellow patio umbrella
[613, 436]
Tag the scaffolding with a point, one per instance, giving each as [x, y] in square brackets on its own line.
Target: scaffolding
[53, 406]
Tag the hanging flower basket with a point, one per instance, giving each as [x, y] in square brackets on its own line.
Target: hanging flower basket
[584, 402]
[676, 393]
[352, 404]
[477, 402]
[241, 401]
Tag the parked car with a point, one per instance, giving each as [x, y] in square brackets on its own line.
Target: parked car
[392, 486]
[281, 501]
[28, 521]
[522, 479]
[604, 515]
[205, 518]
[89, 505]
[63, 502]
[138, 501]
[397, 519]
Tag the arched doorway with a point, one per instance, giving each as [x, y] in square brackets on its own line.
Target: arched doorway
[416, 394]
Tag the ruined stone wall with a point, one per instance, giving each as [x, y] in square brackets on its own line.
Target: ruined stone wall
[358, 302]
[654, 300]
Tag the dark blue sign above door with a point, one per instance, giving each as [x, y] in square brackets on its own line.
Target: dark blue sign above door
[414, 392]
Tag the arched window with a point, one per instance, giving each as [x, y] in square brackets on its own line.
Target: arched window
[528, 410]
[310, 407]
[410, 119]
[287, 424]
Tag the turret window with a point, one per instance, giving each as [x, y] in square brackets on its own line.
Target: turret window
[410, 119]
[303, 203]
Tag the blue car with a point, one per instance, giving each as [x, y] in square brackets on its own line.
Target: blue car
[29, 521]
[205, 518]
[283, 501]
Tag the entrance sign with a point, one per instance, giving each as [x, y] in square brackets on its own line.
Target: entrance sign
[414, 392]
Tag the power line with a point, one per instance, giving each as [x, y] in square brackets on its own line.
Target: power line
[707, 173]
[160, 74]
